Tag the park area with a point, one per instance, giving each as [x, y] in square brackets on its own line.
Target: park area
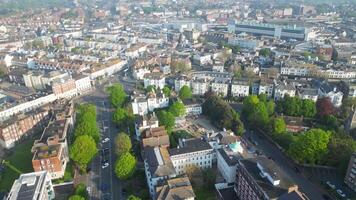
[17, 161]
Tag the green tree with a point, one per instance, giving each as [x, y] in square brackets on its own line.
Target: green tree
[166, 91]
[256, 111]
[308, 108]
[123, 143]
[310, 147]
[265, 52]
[117, 95]
[125, 166]
[133, 197]
[81, 190]
[185, 93]
[86, 122]
[166, 119]
[119, 115]
[76, 197]
[83, 151]
[151, 88]
[177, 109]
[279, 126]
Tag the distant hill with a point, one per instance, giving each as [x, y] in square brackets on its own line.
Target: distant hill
[32, 4]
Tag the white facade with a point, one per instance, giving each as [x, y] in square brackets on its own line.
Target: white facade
[179, 83]
[239, 90]
[220, 88]
[199, 87]
[155, 79]
[193, 109]
[27, 106]
[139, 106]
[83, 84]
[142, 105]
[139, 73]
[335, 97]
[201, 159]
[107, 71]
[281, 91]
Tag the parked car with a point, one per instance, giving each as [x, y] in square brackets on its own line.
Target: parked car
[105, 165]
[332, 186]
[341, 193]
[105, 140]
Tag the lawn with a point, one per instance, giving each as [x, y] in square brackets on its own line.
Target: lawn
[20, 158]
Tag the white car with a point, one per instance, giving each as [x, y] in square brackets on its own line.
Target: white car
[332, 186]
[341, 193]
[105, 165]
[105, 140]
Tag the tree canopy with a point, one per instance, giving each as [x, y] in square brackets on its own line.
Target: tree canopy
[166, 119]
[76, 197]
[177, 109]
[222, 114]
[310, 147]
[294, 106]
[125, 166]
[185, 93]
[117, 95]
[83, 151]
[166, 91]
[279, 126]
[325, 107]
[86, 122]
[133, 197]
[123, 143]
[257, 110]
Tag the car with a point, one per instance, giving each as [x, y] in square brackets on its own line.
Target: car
[105, 165]
[105, 140]
[332, 186]
[296, 169]
[341, 193]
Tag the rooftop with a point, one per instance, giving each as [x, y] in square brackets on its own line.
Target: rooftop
[190, 146]
[177, 188]
[159, 162]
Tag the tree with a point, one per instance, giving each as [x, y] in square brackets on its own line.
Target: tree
[151, 88]
[86, 122]
[308, 108]
[125, 166]
[325, 107]
[279, 126]
[255, 111]
[133, 197]
[117, 95]
[123, 143]
[76, 197]
[265, 52]
[177, 109]
[329, 122]
[166, 119]
[83, 151]
[119, 115]
[166, 91]
[81, 190]
[179, 66]
[185, 93]
[222, 114]
[310, 147]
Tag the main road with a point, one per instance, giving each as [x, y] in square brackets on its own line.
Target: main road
[102, 182]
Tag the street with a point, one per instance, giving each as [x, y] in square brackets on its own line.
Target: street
[102, 182]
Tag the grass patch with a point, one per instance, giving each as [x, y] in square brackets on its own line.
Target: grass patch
[21, 159]
[68, 174]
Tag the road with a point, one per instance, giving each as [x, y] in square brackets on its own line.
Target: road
[102, 183]
[270, 150]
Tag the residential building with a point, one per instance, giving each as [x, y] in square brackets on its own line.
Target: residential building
[351, 173]
[331, 91]
[64, 87]
[308, 93]
[193, 107]
[295, 124]
[39, 80]
[34, 186]
[260, 178]
[220, 87]
[192, 152]
[180, 82]
[263, 86]
[200, 86]
[142, 104]
[156, 79]
[284, 89]
[240, 88]
[139, 72]
[158, 167]
[50, 152]
[155, 137]
[145, 122]
[82, 84]
[19, 126]
[175, 188]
